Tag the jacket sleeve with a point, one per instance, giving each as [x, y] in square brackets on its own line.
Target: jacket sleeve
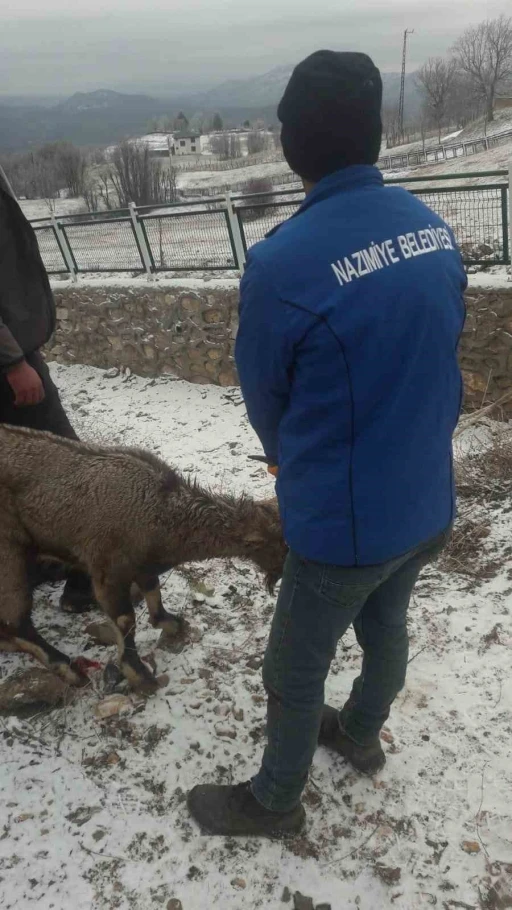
[10, 351]
[264, 355]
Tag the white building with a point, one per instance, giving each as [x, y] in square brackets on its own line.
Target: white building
[185, 143]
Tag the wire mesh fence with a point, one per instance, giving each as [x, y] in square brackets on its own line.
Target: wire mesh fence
[104, 246]
[187, 241]
[216, 235]
[477, 215]
[478, 218]
[50, 250]
[257, 220]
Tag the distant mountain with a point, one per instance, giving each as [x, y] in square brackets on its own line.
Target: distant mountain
[103, 100]
[103, 117]
[266, 90]
[259, 91]
[87, 118]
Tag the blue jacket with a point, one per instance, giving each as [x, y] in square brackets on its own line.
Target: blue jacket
[350, 316]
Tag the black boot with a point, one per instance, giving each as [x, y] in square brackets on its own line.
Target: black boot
[78, 595]
[235, 811]
[364, 758]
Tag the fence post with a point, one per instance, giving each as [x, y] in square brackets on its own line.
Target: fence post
[234, 227]
[140, 237]
[64, 246]
[510, 208]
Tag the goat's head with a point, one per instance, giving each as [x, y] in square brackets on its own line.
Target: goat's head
[264, 542]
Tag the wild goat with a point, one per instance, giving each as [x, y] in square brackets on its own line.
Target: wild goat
[123, 516]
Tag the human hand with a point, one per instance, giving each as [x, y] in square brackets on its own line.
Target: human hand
[26, 384]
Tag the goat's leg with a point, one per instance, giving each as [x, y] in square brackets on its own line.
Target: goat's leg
[17, 632]
[114, 597]
[170, 623]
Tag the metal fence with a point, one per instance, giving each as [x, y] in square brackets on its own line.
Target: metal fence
[444, 152]
[215, 234]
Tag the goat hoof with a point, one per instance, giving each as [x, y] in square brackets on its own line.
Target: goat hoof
[139, 677]
[173, 626]
[147, 686]
[175, 636]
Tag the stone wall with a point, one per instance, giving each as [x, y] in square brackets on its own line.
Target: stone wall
[486, 347]
[151, 330]
[191, 333]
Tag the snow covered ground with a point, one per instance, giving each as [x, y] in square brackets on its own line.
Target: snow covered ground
[498, 158]
[42, 208]
[93, 813]
[502, 123]
[208, 178]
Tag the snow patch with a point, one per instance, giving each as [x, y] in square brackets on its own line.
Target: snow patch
[93, 812]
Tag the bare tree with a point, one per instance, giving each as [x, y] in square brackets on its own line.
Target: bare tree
[92, 197]
[484, 54]
[435, 79]
[220, 146]
[257, 141]
[72, 166]
[464, 104]
[258, 185]
[137, 177]
[226, 146]
[45, 175]
[106, 191]
[391, 125]
[18, 170]
[235, 147]
[96, 155]
[46, 171]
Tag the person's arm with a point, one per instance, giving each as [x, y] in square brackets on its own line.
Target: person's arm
[25, 382]
[265, 344]
[10, 351]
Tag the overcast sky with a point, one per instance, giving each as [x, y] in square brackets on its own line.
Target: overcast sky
[174, 45]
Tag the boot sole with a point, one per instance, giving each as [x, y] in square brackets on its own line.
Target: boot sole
[275, 834]
[270, 835]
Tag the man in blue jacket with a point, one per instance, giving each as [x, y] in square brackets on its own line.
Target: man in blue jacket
[350, 317]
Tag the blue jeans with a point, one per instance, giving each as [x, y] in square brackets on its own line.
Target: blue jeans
[316, 605]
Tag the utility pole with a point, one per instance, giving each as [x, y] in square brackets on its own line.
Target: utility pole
[402, 84]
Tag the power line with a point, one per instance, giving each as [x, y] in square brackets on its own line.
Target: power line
[402, 83]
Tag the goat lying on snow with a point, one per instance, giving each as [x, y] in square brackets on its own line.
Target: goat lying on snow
[123, 516]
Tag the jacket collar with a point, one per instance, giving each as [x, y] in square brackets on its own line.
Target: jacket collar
[349, 178]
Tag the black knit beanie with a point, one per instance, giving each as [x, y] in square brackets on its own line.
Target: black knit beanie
[331, 114]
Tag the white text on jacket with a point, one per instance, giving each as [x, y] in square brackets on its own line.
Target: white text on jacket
[381, 255]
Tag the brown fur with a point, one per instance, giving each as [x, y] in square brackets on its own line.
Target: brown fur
[123, 516]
